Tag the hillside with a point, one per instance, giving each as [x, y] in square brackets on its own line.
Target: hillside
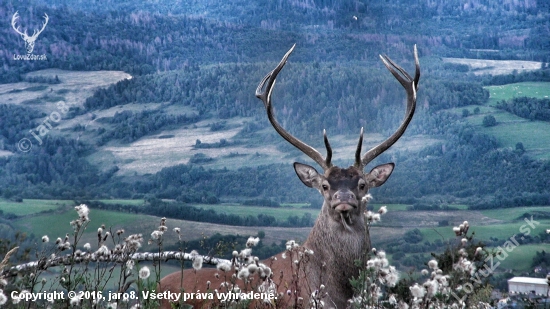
[155, 100]
[145, 110]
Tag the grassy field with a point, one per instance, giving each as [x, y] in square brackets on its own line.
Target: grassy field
[499, 223]
[484, 232]
[525, 89]
[280, 213]
[30, 206]
[496, 67]
[57, 225]
[513, 213]
[511, 129]
[519, 260]
[123, 202]
[508, 226]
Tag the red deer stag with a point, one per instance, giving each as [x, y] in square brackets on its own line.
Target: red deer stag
[338, 237]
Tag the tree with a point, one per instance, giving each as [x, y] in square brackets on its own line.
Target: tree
[519, 147]
[489, 121]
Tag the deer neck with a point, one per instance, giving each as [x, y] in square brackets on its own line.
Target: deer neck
[335, 251]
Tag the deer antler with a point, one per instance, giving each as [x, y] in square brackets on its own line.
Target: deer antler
[410, 86]
[14, 21]
[268, 82]
[24, 34]
[37, 32]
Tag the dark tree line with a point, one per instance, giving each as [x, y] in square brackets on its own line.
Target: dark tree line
[528, 108]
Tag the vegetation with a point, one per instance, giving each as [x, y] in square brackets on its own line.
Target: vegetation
[477, 141]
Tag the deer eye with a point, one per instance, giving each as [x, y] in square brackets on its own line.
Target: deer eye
[362, 186]
[325, 187]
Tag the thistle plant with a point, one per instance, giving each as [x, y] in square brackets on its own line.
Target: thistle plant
[448, 280]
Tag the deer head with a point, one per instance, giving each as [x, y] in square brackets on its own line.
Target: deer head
[29, 40]
[344, 189]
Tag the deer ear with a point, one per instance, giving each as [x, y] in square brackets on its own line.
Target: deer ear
[379, 175]
[307, 174]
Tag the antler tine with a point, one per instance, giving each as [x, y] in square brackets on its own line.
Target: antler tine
[410, 86]
[268, 82]
[14, 21]
[329, 149]
[358, 151]
[37, 32]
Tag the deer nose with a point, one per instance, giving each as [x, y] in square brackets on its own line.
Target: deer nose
[344, 195]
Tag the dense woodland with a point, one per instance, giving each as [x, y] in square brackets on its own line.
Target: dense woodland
[209, 57]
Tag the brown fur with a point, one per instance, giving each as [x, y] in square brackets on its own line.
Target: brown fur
[335, 248]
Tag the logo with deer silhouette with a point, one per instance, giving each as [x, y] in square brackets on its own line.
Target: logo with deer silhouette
[30, 40]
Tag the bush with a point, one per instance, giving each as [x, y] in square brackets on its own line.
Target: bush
[489, 121]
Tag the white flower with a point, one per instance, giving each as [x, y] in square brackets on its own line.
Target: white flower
[197, 262]
[224, 266]
[87, 246]
[252, 242]
[245, 253]
[144, 273]
[417, 291]
[82, 211]
[45, 238]
[291, 244]
[367, 198]
[252, 268]
[392, 277]
[177, 230]
[156, 235]
[75, 301]
[243, 273]
[3, 298]
[432, 264]
[103, 250]
[457, 230]
[432, 286]
[383, 210]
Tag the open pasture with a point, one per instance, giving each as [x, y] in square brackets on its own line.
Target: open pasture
[511, 129]
[495, 67]
[32, 206]
[538, 90]
[509, 214]
[280, 213]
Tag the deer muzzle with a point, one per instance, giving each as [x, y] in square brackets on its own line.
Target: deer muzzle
[344, 201]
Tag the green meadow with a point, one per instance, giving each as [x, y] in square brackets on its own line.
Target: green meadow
[31, 206]
[525, 89]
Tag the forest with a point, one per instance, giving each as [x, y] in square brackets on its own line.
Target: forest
[208, 64]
